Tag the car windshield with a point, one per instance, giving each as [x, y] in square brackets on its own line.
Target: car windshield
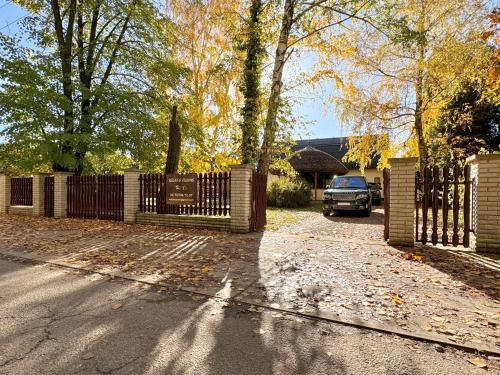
[348, 182]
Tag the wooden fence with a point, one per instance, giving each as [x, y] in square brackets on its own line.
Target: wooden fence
[21, 191]
[259, 201]
[48, 196]
[96, 197]
[437, 192]
[213, 195]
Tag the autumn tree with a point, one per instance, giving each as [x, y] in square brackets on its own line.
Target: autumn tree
[300, 21]
[78, 87]
[397, 71]
[203, 35]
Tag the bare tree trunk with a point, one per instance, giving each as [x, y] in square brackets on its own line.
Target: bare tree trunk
[174, 144]
[274, 98]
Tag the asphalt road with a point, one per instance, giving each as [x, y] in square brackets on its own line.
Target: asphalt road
[57, 321]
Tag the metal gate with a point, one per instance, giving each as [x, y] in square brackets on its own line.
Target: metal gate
[96, 197]
[259, 201]
[443, 206]
[48, 196]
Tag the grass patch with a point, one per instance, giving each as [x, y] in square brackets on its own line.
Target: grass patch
[279, 217]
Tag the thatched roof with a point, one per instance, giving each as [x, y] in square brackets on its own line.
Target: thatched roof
[313, 160]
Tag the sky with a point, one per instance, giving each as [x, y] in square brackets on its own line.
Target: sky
[311, 106]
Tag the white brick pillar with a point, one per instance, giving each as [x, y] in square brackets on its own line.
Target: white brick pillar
[61, 194]
[402, 202]
[131, 194]
[241, 198]
[485, 170]
[4, 193]
[39, 194]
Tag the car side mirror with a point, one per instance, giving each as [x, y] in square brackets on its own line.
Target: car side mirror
[327, 187]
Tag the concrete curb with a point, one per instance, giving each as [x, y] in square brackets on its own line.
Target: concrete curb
[320, 315]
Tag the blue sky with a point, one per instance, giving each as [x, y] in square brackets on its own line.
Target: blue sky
[311, 107]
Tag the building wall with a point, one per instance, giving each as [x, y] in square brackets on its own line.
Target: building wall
[370, 174]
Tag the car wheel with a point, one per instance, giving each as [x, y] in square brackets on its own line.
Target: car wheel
[326, 213]
[366, 212]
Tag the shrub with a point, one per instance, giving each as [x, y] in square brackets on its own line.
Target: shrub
[288, 192]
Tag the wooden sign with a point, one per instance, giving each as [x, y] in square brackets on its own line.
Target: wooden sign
[182, 189]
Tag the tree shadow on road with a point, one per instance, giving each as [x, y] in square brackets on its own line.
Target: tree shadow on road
[86, 323]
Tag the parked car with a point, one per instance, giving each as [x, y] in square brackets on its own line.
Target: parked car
[376, 192]
[347, 193]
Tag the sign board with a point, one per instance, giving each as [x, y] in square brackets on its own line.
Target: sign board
[182, 189]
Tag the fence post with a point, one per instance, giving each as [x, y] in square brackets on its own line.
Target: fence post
[402, 204]
[61, 194]
[4, 193]
[131, 188]
[39, 194]
[241, 198]
[485, 170]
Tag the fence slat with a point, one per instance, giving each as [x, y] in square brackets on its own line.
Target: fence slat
[425, 205]
[435, 204]
[455, 205]
[446, 181]
[467, 207]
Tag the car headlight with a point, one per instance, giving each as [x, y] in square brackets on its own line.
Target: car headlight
[327, 196]
[361, 196]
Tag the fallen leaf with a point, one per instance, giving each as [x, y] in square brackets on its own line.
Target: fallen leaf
[87, 356]
[396, 300]
[116, 306]
[205, 269]
[478, 361]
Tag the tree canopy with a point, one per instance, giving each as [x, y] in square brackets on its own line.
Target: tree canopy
[90, 86]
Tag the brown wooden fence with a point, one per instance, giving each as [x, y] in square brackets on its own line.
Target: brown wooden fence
[214, 198]
[259, 201]
[48, 196]
[96, 197]
[439, 194]
[21, 191]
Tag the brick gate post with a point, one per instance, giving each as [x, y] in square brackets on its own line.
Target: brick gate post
[402, 205]
[485, 170]
[131, 194]
[61, 194]
[241, 198]
[4, 193]
[39, 194]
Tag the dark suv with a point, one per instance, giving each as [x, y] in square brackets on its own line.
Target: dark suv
[347, 193]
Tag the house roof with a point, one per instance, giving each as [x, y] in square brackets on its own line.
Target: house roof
[309, 159]
[336, 147]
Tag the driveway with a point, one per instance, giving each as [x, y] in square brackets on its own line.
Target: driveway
[56, 321]
[333, 268]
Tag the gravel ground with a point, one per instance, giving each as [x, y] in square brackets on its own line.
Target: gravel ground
[53, 321]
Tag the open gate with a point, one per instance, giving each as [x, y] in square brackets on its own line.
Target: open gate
[259, 201]
[443, 206]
